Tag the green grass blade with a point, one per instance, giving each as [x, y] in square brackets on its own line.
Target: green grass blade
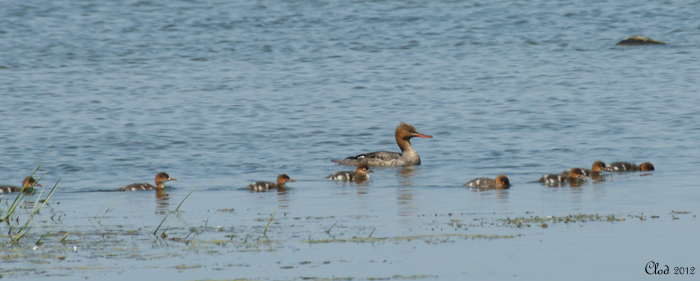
[183, 200]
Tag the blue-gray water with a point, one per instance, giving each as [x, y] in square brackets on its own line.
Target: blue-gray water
[223, 93]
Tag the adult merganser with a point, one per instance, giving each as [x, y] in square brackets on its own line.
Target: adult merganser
[28, 184]
[360, 174]
[263, 185]
[575, 174]
[501, 182]
[160, 179]
[408, 156]
[594, 172]
[626, 166]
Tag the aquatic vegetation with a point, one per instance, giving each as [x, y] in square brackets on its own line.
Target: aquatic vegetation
[430, 238]
[110, 207]
[272, 218]
[34, 210]
[543, 221]
[65, 242]
[21, 195]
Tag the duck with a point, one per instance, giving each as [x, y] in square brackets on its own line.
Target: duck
[408, 156]
[28, 184]
[361, 173]
[161, 178]
[627, 166]
[575, 175]
[595, 172]
[501, 182]
[264, 186]
[646, 166]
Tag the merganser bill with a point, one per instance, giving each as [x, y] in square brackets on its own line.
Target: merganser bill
[264, 186]
[28, 184]
[408, 156]
[161, 178]
[361, 173]
[501, 182]
[575, 174]
[627, 166]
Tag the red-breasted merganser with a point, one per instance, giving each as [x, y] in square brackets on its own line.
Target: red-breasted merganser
[160, 179]
[360, 174]
[575, 174]
[408, 156]
[594, 172]
[263, 185]
[501, 182]
[626, 166]
[28, 184]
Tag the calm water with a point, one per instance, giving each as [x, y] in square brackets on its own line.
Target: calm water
[220, 94]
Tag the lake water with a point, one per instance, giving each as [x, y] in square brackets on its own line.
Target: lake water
[223, 93]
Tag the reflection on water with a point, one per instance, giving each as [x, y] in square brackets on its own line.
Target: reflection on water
[406, 171]
[162, 202]
[577, 183]
[362, 191]
[284, 197]
[500, 194]
[406, 203]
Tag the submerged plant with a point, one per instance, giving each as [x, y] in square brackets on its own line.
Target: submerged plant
[22, 193]
[272, 218]
[34, 211]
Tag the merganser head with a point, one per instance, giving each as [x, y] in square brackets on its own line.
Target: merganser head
[502, 181]
[161, 178]
[405, 132]
[29, 182]
[576, 173]
[646, 166]
[363, 169]
[598, 166]
[282, 179]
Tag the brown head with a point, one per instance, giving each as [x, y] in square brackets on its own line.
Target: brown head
[598, 166]
[405, 132]
[161, 178]
[28, 182]
[282, 179]
[502, 181]
[576, 173]
[363, 169]
[646, 166]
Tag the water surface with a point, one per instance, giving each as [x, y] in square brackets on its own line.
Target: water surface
[220, 94]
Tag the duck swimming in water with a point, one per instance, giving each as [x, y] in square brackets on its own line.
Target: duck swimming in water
[28, 184]
[361, 173]
[626, 166]
[501, 182]
[408, 156]
[161, 178]
[264, 186]
[574, 176]
[595, 172]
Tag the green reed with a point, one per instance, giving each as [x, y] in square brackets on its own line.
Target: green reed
[272, 218]
[34, 211]
[110, 207]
